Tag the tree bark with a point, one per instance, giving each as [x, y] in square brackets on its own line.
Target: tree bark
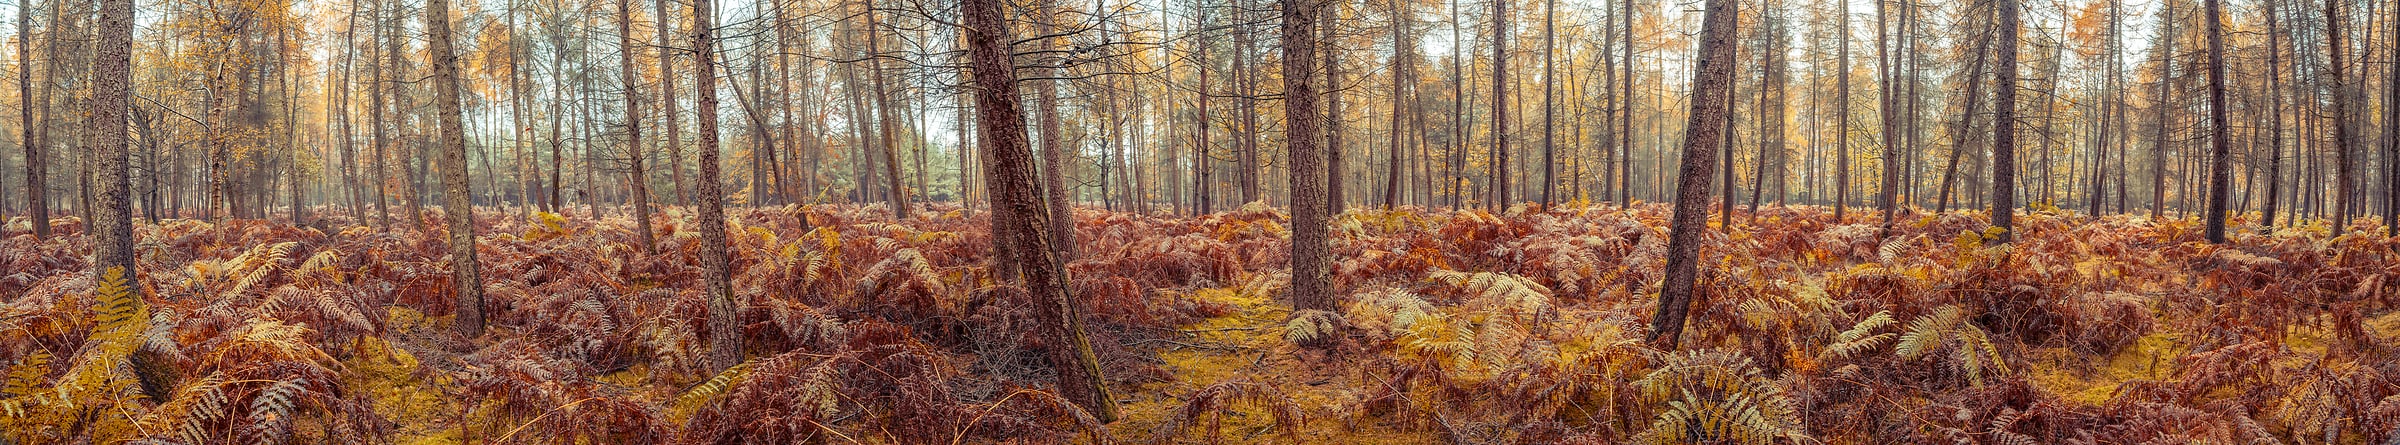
[2220, 177]
[1702, 134]
[1841, 122]
[724, 324]
[2274, 93]
[2342, 136]
[1054, 155]
[37, 204]
[1500, 135]
[1333, 109]
[1310, 287]
[633, 123]
[2004, 127]
[457, 202]
[112, 86]
[667, 104]
[1002, 130]
[890, 138]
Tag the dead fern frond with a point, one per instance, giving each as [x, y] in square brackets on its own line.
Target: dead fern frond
[1208, 407]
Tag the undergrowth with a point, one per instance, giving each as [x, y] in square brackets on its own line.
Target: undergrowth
[1456, 327]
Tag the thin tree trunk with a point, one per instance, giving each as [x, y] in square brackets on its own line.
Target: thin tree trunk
[1500, 131]
[1054, 162]
[2342, 137]
[2220, 175]
[667, 104]
[37, 204]
[639, 178]
[2004, 127]
[1841, 122]
[890, 138]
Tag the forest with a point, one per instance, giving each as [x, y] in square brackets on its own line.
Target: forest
[1200, 222]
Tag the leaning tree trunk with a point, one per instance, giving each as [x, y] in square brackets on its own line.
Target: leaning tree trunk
[112, 82]
[724, 329]
[1001, 127]
[1701, 135]
[457, 203]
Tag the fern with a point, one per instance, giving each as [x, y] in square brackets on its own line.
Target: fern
[1500, 293]
[1312, 326]
[1209, 406]
[1970, 350]
[1716, 397]
[1859, 338]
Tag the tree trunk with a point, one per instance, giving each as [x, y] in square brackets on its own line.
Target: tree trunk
[724, 323]
[378, 93]
[2342, 137]
[1333, 110]
[104, 125]
[2159, 105]
[1624, 174]
[1549, 103]
[2004, 127]
[1403, 76]
[1841, 122]
[667, 104]
[2220, 177]
[1702, 134]
[1310, 287]
[457, 205]
[2274, 93]
[37, 204]
[1002, 128]
[1500, 135]
[633, 124]
[1054, 162]
[890, 138]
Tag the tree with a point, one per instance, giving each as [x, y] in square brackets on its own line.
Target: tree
[1054, 162]
[639, 179]
[37, 205]
[724, 323]
[104, 128]
[1001, 128]
[457, 201]
[1549, 101]
[1703, 130]
[1841, 109]
[2342, 137]
[891, 139]
[2004, 126]
[1889, 197]
[1500, 134]
[667, 104]
[2220, 176]
[2274, 120]
[1311, 288]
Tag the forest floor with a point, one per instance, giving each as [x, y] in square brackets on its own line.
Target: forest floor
[1456, 327]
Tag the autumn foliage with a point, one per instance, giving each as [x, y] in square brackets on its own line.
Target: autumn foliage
[1467, 327]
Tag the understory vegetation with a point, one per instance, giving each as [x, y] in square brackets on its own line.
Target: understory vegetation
[1457, 327]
